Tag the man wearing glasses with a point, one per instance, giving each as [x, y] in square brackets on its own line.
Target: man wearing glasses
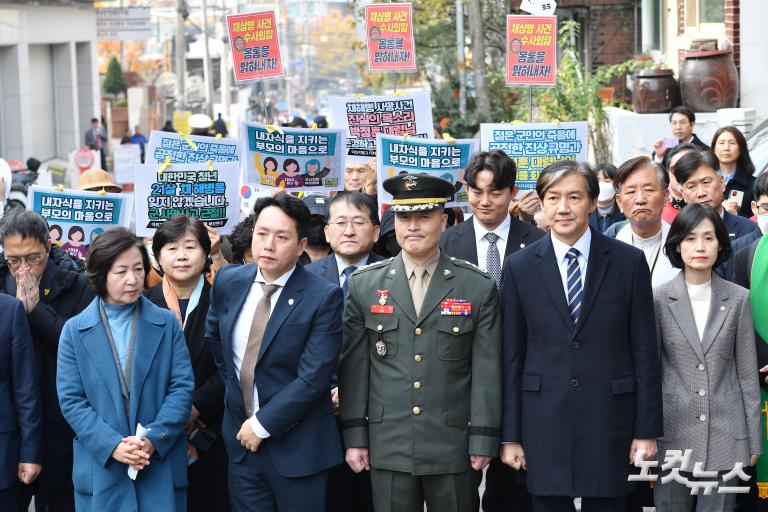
[44, 278]
[352, 229]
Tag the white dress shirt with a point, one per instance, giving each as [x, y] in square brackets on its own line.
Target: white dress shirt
[341, 265]
[243, 328]
[502, 231]
[661, 268]
[561, 249]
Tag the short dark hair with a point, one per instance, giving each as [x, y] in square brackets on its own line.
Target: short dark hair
[175, 228]
[359, 201]
[75, 229]
[685, 222]
[103, 252]
[682, 110]
[559, 170]
[289, 161]
[679, 149]
[94, 120]
[761, 187]
[24, 224]
[241, 238]
[270, 159]
[497, 162]
[689, 163]
[635, 164]
[289, 205]
[57, 228]
[609, 170]
[744, 161]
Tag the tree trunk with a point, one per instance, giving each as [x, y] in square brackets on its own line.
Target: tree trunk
[482, 97]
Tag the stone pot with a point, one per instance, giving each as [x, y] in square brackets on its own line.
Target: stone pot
[654, 91]
[709, 81]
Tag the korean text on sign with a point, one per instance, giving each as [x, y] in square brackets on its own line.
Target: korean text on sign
[531, 50]
[389, 33]
[255, 45]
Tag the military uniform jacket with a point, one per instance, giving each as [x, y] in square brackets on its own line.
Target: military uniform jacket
[421, 392]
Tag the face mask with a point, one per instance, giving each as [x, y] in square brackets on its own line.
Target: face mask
[607, 193]
[762, 222]
[316, 234]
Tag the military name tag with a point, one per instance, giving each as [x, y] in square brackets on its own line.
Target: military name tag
[382, 310]
[456, 307]
[381, 348]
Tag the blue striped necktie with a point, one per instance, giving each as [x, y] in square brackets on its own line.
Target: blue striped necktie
[347, 273]
[575, 290]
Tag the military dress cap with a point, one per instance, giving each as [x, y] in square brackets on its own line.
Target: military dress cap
[418, 192]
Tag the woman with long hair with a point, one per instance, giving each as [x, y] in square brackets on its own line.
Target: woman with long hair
[736, 168]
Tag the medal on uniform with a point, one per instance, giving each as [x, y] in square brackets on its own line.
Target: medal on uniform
[381, 348]
[383, 294]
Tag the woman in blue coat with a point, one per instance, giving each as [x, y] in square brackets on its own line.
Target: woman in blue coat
[124, 362]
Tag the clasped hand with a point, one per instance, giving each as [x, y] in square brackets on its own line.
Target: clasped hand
[134, 452]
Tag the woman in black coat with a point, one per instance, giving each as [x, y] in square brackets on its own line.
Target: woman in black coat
[181, 246]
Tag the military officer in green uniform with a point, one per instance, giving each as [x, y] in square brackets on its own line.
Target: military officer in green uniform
[420, 373]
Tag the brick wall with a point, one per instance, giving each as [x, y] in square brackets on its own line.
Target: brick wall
[610, 30]
[732, 27]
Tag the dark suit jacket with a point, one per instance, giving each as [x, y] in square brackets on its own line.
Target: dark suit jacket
[298, 355]
[459, 240]
[737, 227]
[575, 397]
[742, 264]
[327, 269]
[744, 182]
[209, 388]
[21, 419]
[613, 218]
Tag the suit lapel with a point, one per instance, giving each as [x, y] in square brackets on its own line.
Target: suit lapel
[547, 267]
[399, 291]
[719, 308]
[239, 289]
[330, 269]
[290, 297]
[439, 287]
[466, 247]
[682, 312]
[597, 265]
[196, 324]
[149, 334]
[515, 238]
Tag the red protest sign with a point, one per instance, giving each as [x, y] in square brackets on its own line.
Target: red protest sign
[531, 50]
[389, 32]
[255, 45]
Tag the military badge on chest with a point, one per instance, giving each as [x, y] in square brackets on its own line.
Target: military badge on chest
[382, 308]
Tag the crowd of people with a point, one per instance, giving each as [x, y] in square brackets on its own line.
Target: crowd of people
[322, 357]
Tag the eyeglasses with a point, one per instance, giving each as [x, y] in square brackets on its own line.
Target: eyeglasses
[29, 259]
[341, 224]
[762, 208]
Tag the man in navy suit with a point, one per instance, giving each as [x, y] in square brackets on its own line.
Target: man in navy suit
[21, 419]
[582, 392]
[352, 229]
[490, 178]
[275, 333]
[490, 236]
[696, 171]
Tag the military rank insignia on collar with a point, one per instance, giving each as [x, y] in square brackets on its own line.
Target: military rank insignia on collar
[456, 307]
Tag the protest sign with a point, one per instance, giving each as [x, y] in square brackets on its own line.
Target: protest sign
[75, 217]
[396, 155]
[255, 45]
[294, 158]
[124, 158]
[531, 50]
[209, 193]
[164, 144]
[389, 33]
[362, 118]
[534, 146]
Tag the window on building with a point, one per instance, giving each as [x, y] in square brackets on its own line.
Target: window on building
[711, 11]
